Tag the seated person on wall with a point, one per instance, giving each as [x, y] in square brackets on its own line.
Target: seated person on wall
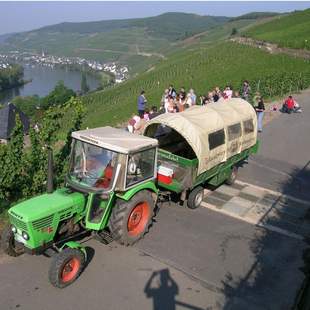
[288, 105]
[139, 126]
[146, 115]
[131, 123]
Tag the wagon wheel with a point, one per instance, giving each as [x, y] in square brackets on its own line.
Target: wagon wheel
[195, 197]
[233, 176]
[130, 220]
[66, 267]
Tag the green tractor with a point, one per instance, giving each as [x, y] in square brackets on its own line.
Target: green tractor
[110, 186]
[115, 179]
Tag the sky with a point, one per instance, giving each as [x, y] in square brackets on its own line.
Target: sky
[24, 16]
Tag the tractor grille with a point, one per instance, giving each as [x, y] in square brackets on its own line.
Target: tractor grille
[43, 222]
[18, 223]
[65, 214]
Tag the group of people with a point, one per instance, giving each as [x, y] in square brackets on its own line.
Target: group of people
[216, 94]
[137, 122]
[290, 105]
[173, 102]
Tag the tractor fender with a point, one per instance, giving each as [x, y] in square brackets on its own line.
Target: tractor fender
[75, 245]
[131, 192]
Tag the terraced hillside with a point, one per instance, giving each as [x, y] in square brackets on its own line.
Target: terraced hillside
[201, 68]
[292, 30]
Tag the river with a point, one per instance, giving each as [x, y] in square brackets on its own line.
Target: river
[44, 79]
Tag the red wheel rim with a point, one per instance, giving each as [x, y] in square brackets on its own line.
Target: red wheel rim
[70, 269]
[138, 218]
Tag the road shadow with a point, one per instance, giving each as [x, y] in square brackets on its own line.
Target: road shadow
[162, 288]
[90, 252]
[273, 280]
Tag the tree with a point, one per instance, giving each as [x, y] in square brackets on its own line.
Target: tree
[27, 104]
[234, 31]
[59, 95]
[12, 176]
[75, 105]
[11, 76]
[84, 86]
[24, 170]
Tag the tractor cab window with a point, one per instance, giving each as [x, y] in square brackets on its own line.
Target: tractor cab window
[92, 165]
[140, 167]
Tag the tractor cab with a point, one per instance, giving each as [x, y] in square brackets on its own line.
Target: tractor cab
[92, 167]
[106, 162]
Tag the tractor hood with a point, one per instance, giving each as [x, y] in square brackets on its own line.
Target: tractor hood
[47, 204]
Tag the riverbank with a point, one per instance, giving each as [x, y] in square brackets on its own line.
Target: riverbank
[11, 76]
[120, 72]
[44, 79]
[20, 84]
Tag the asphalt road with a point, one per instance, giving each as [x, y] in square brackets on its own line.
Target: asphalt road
[190, 259]
[283, 161]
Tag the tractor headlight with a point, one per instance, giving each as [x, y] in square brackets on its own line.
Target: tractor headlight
[14, 229]
[25, 235]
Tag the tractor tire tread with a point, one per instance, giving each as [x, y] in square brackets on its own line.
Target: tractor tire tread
[58, 262]
[119, 217]
[192, 196]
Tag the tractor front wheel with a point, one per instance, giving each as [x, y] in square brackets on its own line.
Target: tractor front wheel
[66, 267]
[8, 243]
[130, 220]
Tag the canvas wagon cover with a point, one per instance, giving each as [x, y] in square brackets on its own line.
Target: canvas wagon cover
[196, 123]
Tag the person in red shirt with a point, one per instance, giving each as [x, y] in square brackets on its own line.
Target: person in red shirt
[288, 106]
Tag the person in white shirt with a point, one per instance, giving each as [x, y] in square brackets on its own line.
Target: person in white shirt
[227, 93]
[193, 96]
[188, 101]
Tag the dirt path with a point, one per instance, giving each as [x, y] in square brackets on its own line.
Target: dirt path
[272, 48]
[122, 52]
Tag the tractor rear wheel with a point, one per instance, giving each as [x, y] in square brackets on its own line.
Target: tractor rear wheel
[8, 243]
[233, 176]
[195, 197]
[66, 267]
[130, 220]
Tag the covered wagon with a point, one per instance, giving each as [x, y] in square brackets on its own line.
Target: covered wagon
[203, 145]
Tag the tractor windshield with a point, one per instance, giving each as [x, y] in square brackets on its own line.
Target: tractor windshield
[92, 165]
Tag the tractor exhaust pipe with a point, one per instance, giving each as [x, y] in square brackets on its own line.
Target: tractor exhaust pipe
[50, 165]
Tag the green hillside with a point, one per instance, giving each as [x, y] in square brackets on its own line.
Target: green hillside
[224, 31]
[292, 30]
[201, 68]
[138, 43]
[172, 26]
[255, 15]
